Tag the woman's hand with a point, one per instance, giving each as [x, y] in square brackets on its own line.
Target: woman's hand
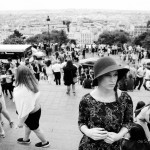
[112, 137]
[97, 133]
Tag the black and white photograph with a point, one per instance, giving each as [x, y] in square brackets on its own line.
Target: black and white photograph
[75, 75]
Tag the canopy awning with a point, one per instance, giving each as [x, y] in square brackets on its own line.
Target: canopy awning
[39, 54]
[14, 48]
[88, 61]
[93, 59]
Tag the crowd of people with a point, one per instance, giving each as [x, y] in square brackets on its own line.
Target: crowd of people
[105, 114]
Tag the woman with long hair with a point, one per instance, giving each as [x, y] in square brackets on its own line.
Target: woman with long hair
[70, 72]
[26, 98]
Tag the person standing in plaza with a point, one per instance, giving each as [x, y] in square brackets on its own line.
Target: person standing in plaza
[57, 72]
[147, 76]
[83, 53]
[140, 76]
[9, 82]
[106, 113]
[36, 69]
[49, 71]
[70, 72]
[26, 98]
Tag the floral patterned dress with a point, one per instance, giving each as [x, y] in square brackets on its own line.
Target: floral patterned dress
[111, 116]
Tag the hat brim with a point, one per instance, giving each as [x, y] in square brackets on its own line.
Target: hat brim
[112, 68]
[121, 73]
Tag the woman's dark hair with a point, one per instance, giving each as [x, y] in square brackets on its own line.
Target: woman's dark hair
[69, 64]
[139, 105]
[138, 139]
[48, 63]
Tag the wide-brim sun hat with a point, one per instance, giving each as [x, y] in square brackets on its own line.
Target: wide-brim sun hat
[107, 64]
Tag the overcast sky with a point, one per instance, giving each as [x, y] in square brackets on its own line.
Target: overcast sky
[77, 4]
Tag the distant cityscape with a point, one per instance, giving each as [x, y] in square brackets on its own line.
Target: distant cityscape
[85, 27]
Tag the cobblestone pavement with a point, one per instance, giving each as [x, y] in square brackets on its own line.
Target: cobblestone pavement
[58, 120]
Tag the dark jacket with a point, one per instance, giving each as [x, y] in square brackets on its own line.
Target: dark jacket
[69, 74]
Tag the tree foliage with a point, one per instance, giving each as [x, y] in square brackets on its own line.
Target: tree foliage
[148, 23]
[73, 41]
[118, 37]
[55, 36]
[143, 40]
[67, 23]
[15, 38]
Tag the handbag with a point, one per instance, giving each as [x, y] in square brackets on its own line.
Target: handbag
[75, 80]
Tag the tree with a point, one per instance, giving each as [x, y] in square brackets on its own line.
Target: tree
[67, 23]
[73, 41]
[62, 37]
[139, 39]
[14, 41]
[15, 38]
[121, 37]
[143, 40]
[37, 39]
[55, 37]
[105, 38]
[146, 42]
[114, 37]
[148, 24]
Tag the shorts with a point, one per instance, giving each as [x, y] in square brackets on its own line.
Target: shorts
[33, 120]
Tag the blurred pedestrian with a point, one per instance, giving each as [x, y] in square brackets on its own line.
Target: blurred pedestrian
[56, 68]
[70, 74]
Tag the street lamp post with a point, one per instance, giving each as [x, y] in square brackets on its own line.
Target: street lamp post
[48, 22]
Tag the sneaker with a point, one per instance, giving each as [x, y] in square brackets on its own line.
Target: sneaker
[42, 145]
[2, 134]
[21, 141]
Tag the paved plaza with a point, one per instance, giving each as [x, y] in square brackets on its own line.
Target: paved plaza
[59, 118]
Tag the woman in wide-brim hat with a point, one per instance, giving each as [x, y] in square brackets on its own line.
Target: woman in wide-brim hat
[105, 114]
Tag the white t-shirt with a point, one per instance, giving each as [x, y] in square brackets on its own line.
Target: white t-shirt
[147, 74]
[56, 67]
[140, 72]
[49, 70]
[63, 64]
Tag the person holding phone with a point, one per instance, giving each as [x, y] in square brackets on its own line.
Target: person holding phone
[105, 114]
